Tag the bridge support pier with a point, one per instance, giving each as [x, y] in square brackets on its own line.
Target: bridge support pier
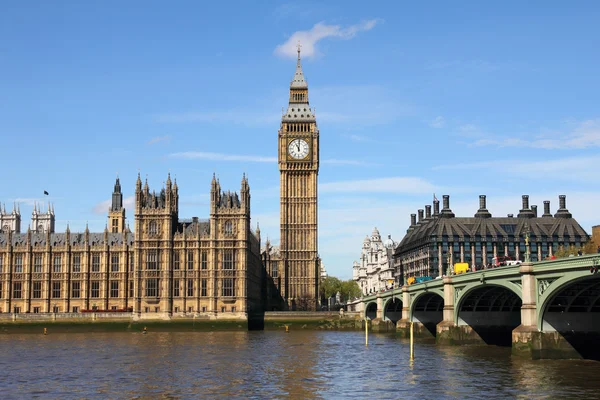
[445, 328]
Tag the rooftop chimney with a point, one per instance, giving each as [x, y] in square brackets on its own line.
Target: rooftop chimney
[547, 209]
[562, 211]
[509, 215]
[482, 212]
[428, 212]
[534, 209]
[413, 219]
[525, 212]
[420, 215]
[436, 208]
[446, 211]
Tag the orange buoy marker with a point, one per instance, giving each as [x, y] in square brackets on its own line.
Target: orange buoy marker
[366, 332]
[145, 331]
[45, 331]
[287, 329]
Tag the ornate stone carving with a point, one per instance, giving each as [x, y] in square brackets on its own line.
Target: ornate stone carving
[457, 293]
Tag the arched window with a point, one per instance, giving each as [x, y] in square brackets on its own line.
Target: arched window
[228, 228]
[152, 228]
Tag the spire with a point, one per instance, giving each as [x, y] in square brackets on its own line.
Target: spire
[117, 186]
[138, 183]
[298, 82]
[169, 181]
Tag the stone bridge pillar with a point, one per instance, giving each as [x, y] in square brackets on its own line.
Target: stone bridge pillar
[444, 328]
[403, 325]
[379, 306]
[526, 335]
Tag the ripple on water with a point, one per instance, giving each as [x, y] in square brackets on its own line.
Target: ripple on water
[301, 364]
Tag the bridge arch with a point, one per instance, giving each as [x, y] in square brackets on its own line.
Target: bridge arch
[371, 310]
[492, 310]
[428, 309]
[392, 310]
[570, 306]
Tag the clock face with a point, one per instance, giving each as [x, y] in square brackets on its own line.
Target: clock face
[298, 149]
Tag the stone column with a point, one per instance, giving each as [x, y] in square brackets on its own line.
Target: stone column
[484, 254]
[403, 325]
[444, 328]
[525, 334]
[379, 306]
[462, 252]
[495, 249]
[472, 257]
[517, 250]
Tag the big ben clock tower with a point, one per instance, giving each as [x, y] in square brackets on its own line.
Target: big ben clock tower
[299, 169]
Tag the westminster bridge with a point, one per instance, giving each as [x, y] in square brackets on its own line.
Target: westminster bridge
[548, 309]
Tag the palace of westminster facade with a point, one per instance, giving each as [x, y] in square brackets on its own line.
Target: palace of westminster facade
[173, 266]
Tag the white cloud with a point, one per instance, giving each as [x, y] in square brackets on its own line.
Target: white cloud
[584, 135]
[159, 139]
[380, 185]
[570, 168]
[102, 207]
[29, 201]
[438, 122]
[309, 39]
[199, 155]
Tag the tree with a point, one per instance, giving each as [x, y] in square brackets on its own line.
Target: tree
[350, 290]
[330, 286]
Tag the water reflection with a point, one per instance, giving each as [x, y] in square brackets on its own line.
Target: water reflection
[300, 364]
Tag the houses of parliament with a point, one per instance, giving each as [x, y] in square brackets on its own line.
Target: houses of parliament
[168, 265]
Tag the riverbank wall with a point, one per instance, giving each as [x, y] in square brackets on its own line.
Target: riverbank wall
[124, 321]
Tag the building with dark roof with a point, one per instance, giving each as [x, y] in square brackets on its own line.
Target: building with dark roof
[166, 265]
[435, 241]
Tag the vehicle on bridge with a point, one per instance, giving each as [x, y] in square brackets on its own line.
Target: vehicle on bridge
[461, 268]
[502, 261]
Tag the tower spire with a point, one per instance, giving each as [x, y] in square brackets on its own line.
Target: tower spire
[298, 82]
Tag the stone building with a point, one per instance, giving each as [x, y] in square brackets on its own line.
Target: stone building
[435, 241]
[375, 270]
[166, 265]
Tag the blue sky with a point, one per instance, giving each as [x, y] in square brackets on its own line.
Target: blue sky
[463, 99]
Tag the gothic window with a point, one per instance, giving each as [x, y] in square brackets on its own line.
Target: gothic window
[204, 288]
[190, 287]
[152, 287]
[96, 263]
[75, 290]
[5, 228]
[152, 228]
[130, 289]
[114, 263]
[37, 263]
[17, 286]
[274, 269]
[115, 225]
[204, 260]
[95, 289]
[55, 290]
[228, 259]
[57, 264]
[114, 288]
[176, 260]
[1, 263]
[190, 259]
[152, 260]
[76, 263]
[228, 228]
[18, 263]
[176, 288]
[37, 290]
[228, 287]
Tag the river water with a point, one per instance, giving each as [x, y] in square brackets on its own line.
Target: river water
[299, 364]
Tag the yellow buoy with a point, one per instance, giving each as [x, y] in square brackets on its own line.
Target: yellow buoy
[287, 329]
[45, 331]
[145, 331]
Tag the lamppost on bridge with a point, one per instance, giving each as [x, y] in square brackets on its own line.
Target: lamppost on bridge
[527, 249]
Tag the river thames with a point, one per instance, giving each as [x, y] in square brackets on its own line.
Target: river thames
[300, 365]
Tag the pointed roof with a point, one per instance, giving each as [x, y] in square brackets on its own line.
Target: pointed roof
[298, 81]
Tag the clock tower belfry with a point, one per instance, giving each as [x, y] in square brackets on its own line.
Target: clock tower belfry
[298, 154]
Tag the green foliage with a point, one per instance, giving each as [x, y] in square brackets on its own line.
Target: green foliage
[587, 248]
[331, 285]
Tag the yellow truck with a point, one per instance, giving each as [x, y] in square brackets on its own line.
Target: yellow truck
[461, 268]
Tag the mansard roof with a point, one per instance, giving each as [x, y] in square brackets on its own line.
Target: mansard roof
[493, 229]
[193, 226]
